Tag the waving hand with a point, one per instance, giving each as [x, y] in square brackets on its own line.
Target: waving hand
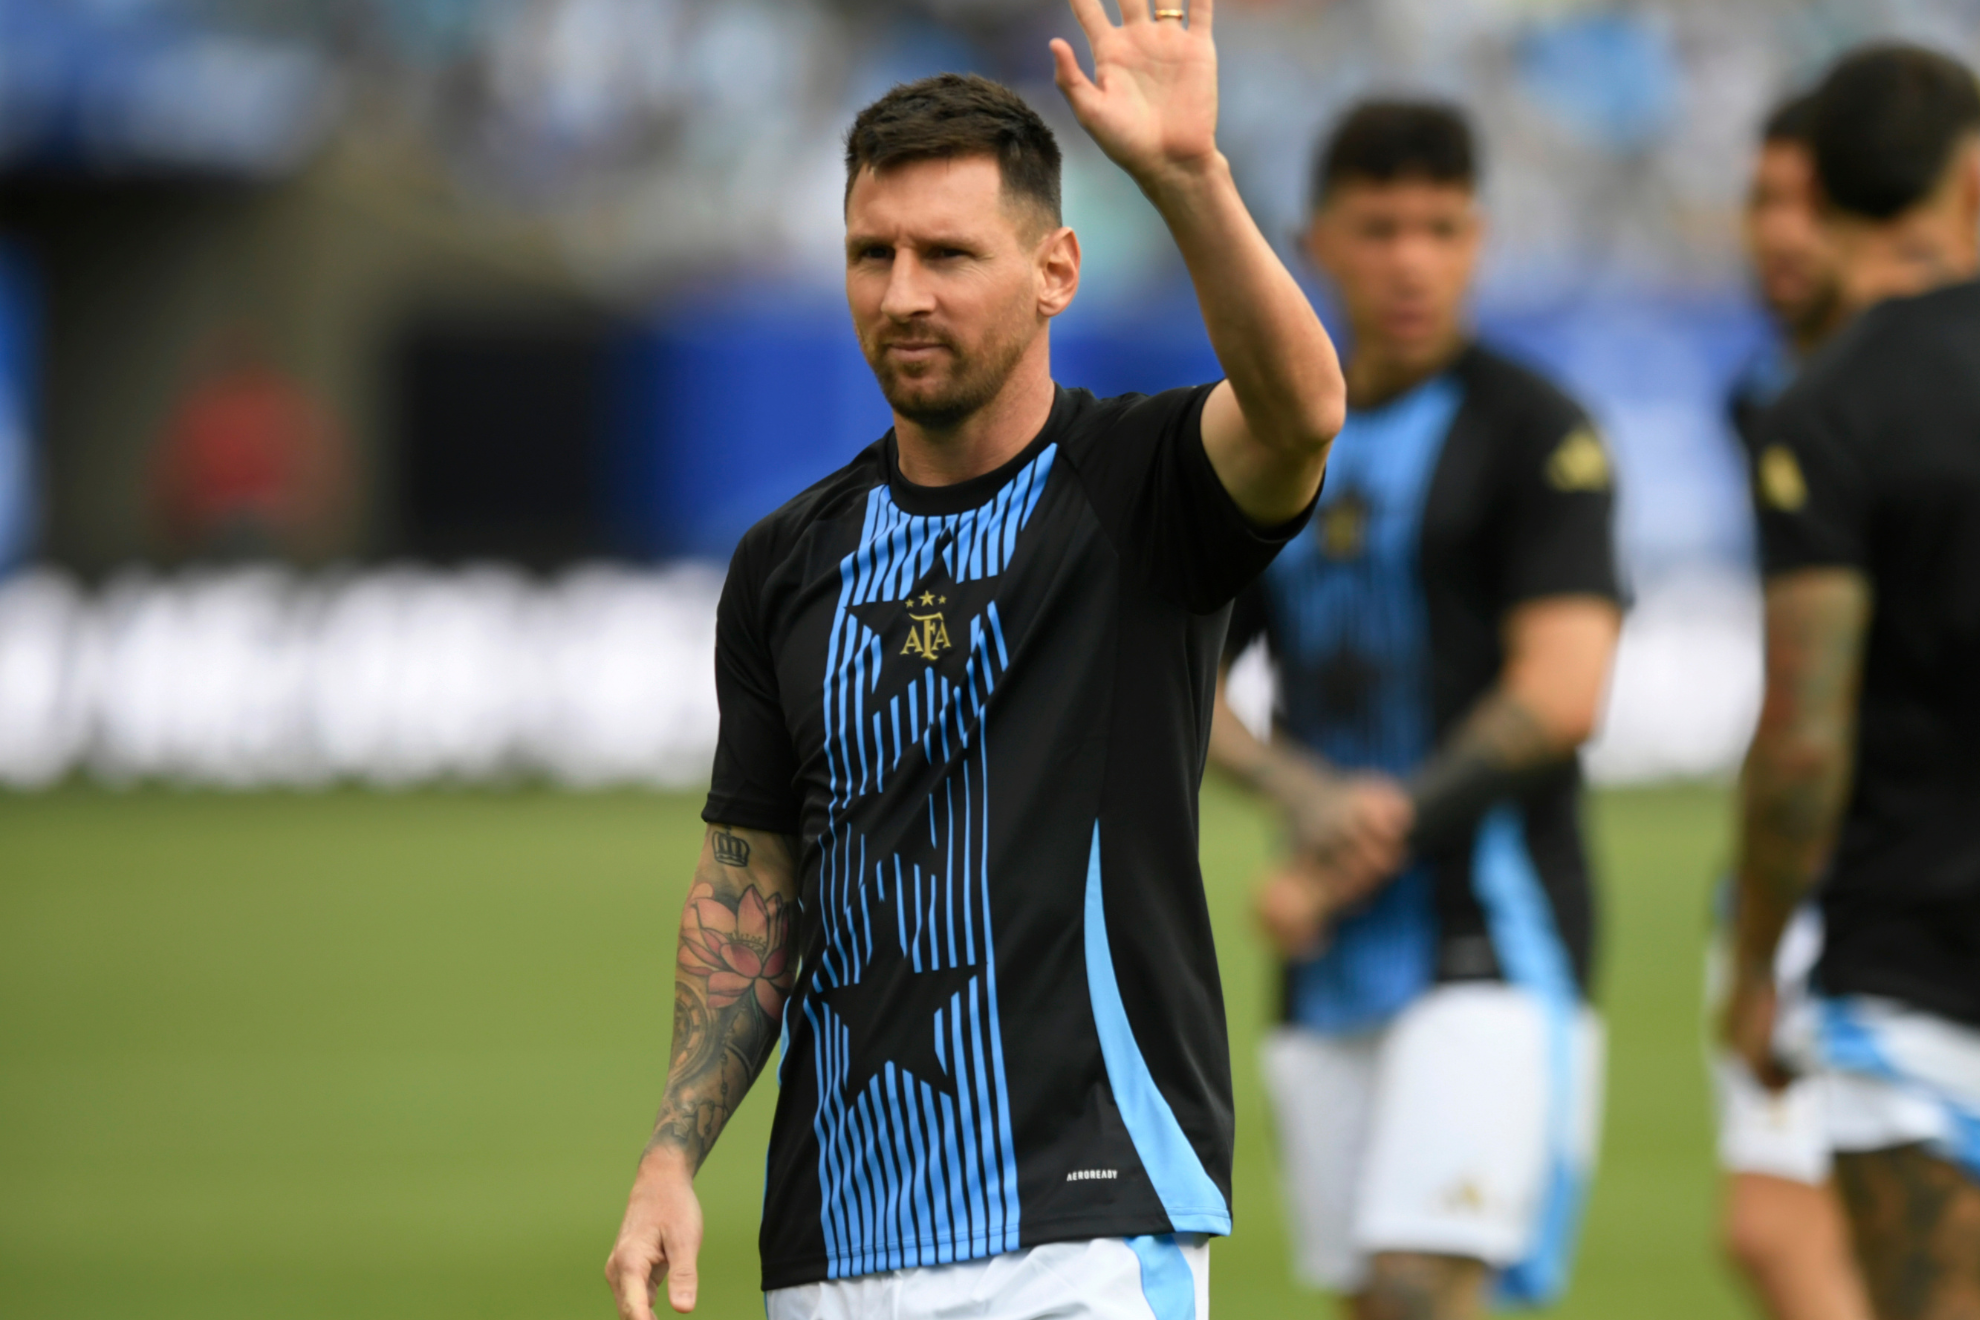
[1151, 103]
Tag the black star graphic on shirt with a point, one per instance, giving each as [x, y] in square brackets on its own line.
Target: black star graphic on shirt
[890, 1011]
[927, 629]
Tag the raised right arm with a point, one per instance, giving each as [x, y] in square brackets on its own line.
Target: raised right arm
[733, 972]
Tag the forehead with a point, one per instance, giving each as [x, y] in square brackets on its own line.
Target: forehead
[953, 194]
[1410, 196]
[1784, 158]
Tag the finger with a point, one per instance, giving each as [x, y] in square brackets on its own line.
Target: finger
[632, 1287]
[1066, 72]
[1134, 11]
[1201, 12]
[683, 1281]
[1093, 20]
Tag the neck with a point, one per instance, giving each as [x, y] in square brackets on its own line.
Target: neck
[1379, 372]
[1814, 329]
[989, 437]
[1924, 249]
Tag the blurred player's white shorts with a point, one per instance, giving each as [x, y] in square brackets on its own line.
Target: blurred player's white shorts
[1144, 1278]
[1783, 1134]
[1466, 1126]
[1895, 1076]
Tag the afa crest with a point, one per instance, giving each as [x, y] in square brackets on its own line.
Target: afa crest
[1778, 475]
[1342, 526]
[932, 627]
[1580, 463]
[928, 633]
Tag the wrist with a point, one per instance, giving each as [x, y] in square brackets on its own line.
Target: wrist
[665, 1162]
[1179, 182]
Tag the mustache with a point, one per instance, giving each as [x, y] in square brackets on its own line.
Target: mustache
[919, 336]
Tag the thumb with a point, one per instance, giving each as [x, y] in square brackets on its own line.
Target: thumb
[1072, 79]
[683, 1281]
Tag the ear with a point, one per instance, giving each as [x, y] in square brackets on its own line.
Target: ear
[1969, 183]
[1480, 227]
[1058, 271]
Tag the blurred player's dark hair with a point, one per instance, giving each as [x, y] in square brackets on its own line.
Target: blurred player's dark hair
[1793, 120]
[954, 114]
[1887, 122]
[1383, 141]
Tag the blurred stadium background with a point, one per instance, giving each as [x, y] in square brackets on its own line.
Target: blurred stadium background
[383, 384]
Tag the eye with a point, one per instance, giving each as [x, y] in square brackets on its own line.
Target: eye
[946, 254]
[873, 252]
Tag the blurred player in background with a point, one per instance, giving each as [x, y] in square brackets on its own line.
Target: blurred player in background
[1794, 261]
[1442, 639]
[965, 687]
[1783, 1227]
[1865, 768]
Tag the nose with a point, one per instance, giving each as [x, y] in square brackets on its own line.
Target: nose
[909, 292]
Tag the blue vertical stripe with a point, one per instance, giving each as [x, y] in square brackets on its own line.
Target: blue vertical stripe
[910, 1174]
[1521, 922]
[1192, 1199]
[1167, 1283]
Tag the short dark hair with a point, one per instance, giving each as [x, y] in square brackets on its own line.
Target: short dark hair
[1887, 121]
[1793, 120]
[1386, 140]
[956, 114]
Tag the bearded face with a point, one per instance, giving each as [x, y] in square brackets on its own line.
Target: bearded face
[936, 380]
[943, 286]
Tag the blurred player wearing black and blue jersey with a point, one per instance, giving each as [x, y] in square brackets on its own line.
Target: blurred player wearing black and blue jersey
[1863, 778]
[1782, 1227]
[1442, 637]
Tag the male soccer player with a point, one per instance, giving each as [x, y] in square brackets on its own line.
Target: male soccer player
[1782, 1226]
[966, 686]
[1865, 768]
[1794, 261]
[1442, 639]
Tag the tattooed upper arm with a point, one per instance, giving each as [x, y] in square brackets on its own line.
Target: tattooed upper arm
[736, 966]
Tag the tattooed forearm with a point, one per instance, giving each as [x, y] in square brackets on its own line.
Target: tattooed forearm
[730, 849]
[1486, 760]
[1277, 770]
[736, 967]
[1796, 778]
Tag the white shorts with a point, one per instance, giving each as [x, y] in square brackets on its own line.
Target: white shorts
[1144, 1278]
[1895, 1075]
[1783, 1134]
[1464, 1127]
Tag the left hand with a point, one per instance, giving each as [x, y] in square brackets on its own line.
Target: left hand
[1152, 101]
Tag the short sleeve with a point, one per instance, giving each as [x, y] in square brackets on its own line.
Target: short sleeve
[754, 783]
[1152, 483]
[1808, 495]
[1561, 539]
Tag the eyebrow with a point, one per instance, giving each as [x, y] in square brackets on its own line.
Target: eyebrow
[855, 241]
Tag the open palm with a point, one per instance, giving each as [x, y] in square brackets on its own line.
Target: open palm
[1151, 103]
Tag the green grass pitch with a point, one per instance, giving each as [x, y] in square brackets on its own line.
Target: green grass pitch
[393, 1056]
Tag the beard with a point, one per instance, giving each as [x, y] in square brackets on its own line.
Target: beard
[941, 395]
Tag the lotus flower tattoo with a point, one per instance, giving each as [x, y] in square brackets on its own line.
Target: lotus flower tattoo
[740, 950]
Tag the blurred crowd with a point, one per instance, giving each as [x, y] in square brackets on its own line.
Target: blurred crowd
[257, 677]
[681, 161]
[662, 137]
